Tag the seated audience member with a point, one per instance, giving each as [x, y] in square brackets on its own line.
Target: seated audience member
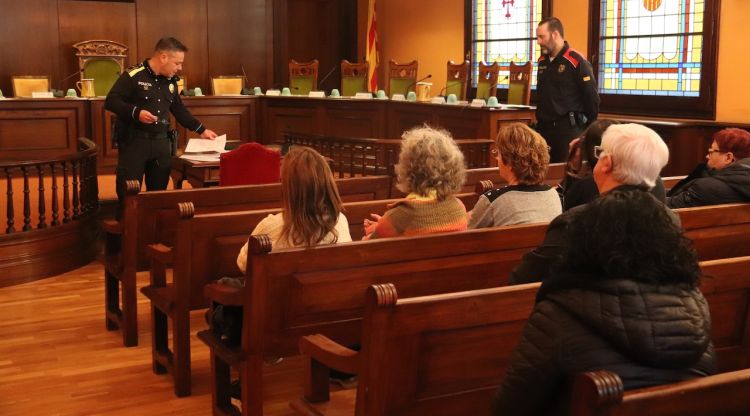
[523, 160]
[624, 298]
[431, 170]
[630, 157]
[723, 179]
[311, 215]
[578, 187]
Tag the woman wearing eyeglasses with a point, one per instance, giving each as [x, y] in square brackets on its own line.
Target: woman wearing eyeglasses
[723, 179]
[523, 159]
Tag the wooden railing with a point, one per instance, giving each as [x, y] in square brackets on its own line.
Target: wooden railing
[362, 157]
[71, 179]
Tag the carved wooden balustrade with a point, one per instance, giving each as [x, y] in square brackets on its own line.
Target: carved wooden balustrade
[362, 157]
[50, 211]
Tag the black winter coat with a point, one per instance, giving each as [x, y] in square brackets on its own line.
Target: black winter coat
[709, 187]
[647, 334]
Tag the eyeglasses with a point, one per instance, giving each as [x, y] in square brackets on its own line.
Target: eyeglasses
[598, 151]
[712, 150]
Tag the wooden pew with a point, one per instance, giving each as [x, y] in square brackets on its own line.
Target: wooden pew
[433, 355]
[150, 218]
[718, 231]
[207, 246]
[601, 393]
[446, 354]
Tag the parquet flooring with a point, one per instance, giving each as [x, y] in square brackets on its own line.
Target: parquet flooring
[56, 358]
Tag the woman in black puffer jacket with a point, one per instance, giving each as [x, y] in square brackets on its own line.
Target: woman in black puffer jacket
[624, 299]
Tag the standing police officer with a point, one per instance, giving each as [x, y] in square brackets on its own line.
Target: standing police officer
[567, 96]
[142, 98]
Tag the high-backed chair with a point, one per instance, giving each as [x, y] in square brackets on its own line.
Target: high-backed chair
[402, 78]
[303, 76]
[227, 84]
[24, 85]
[457, 79]
[249, 164]
[519, 84]
[102, 60]
[353, 77]
[181, 83]
[487, 81]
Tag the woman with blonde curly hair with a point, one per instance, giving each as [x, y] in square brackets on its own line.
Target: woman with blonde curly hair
[522, 158]
[430, 170]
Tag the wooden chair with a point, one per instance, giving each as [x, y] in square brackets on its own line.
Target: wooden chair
[227, 84]
[601, 393]
[24, 85]
[353, 77]
[487, 82]
[250, 164]
[102, 60]
[519, 84]
[303, 76]
[442, 354]
[402, 78]
[457, 79]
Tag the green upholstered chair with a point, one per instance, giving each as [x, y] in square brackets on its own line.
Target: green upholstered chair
[519, 84]
[402, 78]
[227, 84]
[24, 85]
[353, 77]
[457, 79]
[102, 60]
[303, 76]
[487, 81]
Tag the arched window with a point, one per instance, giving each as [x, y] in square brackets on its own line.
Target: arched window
[503, 31]
[656, 57]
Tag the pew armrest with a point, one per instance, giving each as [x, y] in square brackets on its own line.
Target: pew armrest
[324, 355]
[159, 253]
[112, 226]
[224, 294]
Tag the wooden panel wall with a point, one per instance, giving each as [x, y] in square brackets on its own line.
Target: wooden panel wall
[87, 20]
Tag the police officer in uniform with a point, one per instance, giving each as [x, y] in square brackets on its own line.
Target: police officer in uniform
[142, 98]
[567, 97]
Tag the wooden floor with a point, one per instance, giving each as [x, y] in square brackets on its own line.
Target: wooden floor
[56, 358]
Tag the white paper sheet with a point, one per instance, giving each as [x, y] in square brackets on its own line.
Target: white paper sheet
[205, 145]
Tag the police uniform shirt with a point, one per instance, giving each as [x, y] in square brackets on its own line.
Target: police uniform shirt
[140, 88]
[566, 84]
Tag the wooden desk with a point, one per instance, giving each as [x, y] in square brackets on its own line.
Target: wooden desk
[198, 174]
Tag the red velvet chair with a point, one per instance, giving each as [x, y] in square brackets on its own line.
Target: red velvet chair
[249, 164]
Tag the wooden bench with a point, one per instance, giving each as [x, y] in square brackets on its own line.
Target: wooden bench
[718, 231]
[601, 393]
[446, 354]
[207, 245]
[150, 218]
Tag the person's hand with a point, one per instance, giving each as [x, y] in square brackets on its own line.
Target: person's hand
[573, 143]
[146, 117]
[208, 134]
[370, 225]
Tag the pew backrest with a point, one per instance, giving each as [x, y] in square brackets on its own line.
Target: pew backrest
[718, 231]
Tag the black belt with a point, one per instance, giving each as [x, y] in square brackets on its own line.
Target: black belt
[152, 135]
[563, 120]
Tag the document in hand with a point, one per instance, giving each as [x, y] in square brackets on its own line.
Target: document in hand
[204, 145]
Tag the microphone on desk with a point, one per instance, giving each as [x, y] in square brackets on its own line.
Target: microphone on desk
[418, 81]
[493, 86]
[327, 75]
[246, 90]
[61, 92]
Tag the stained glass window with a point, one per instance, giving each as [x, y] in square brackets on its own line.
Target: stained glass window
[651, 47]
[504, 31]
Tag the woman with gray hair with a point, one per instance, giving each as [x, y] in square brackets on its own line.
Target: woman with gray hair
[430, 170]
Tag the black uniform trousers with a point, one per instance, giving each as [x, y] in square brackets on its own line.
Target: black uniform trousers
[558, 135]
[148, 154]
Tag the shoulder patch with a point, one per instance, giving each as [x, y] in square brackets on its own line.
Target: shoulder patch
[136, 70]
[541, 58]
[568, 55]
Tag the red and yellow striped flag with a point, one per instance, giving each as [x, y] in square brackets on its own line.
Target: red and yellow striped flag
[372, 47]
[651, 5]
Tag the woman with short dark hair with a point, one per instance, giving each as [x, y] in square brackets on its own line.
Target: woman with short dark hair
[624, 298]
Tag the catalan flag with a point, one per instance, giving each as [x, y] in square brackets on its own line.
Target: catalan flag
[372, 47]
[651, 5]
